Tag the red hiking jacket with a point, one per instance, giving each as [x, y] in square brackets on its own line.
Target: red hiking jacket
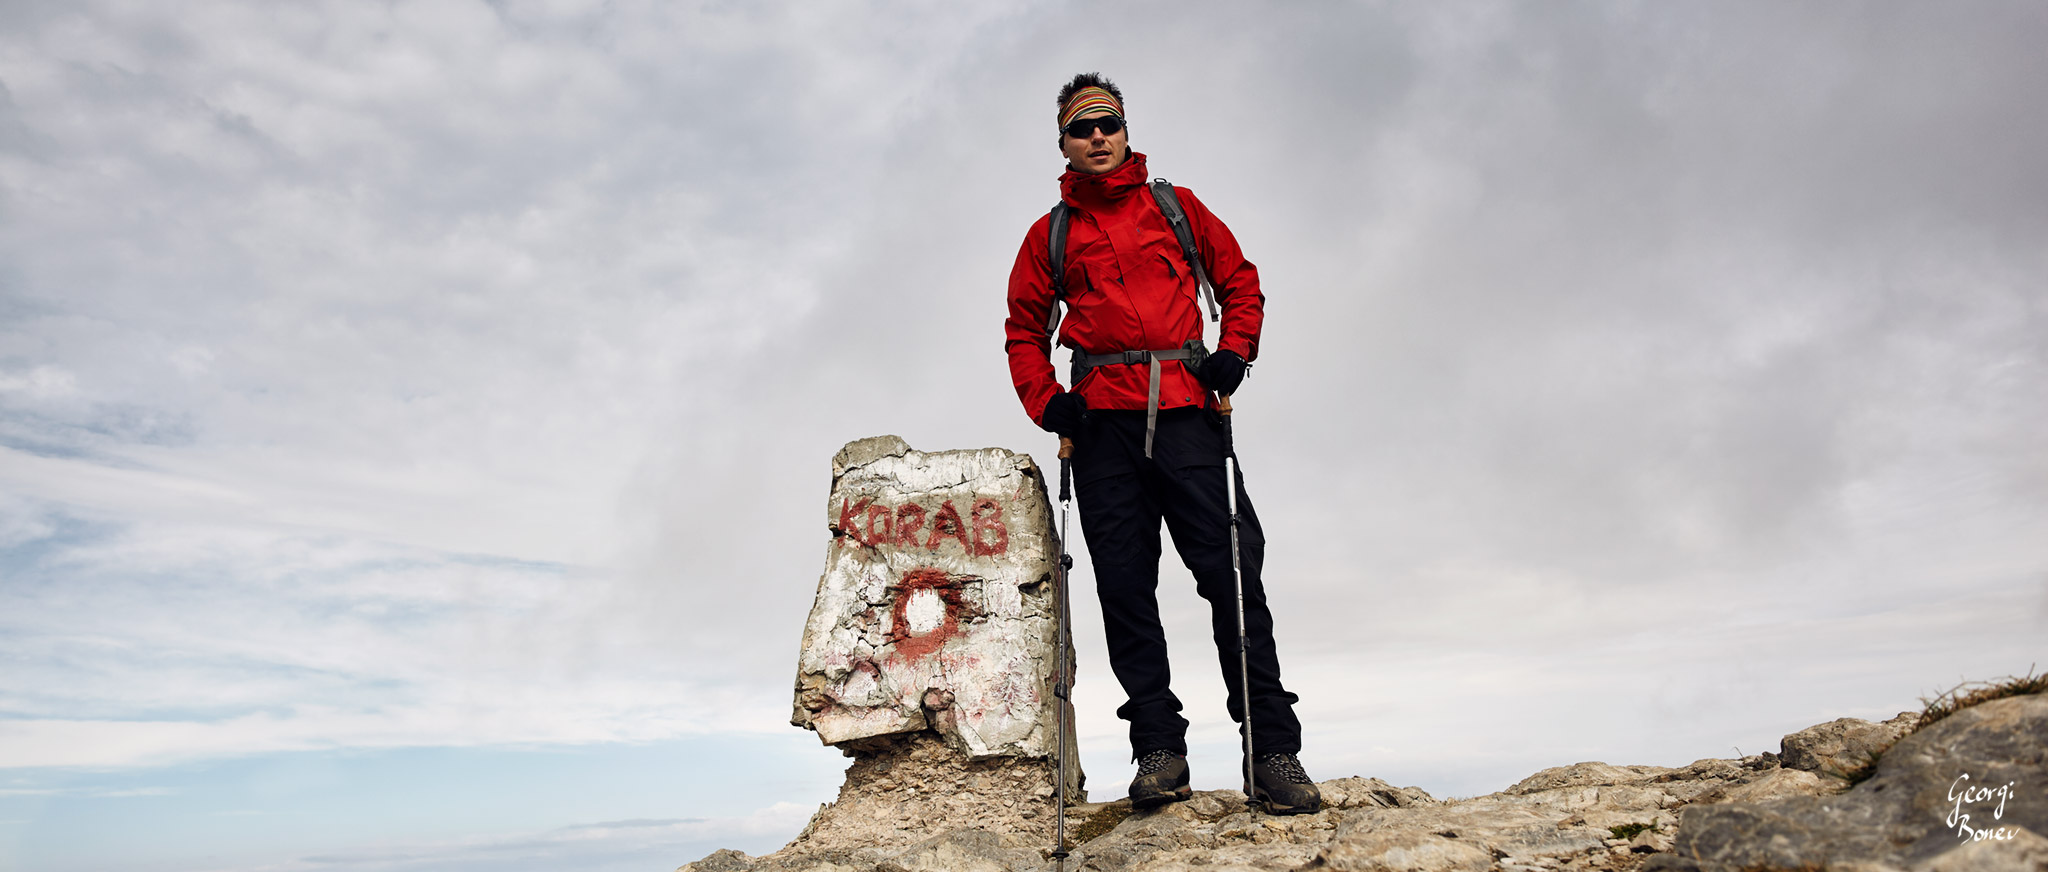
[1127, 289]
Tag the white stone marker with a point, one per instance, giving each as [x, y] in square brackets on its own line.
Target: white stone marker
[937, 608]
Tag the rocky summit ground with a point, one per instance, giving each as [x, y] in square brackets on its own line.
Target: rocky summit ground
[1792, 810]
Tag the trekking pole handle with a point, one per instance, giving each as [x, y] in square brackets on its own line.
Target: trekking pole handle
[1066, 447]
[1223, 404]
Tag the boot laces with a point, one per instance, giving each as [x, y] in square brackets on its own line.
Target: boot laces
[1157, 761]
[1286, 767]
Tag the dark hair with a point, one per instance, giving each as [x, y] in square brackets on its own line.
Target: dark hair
[1087, 80]
[1084, 80]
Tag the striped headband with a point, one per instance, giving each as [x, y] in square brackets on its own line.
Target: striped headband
[1088, 100]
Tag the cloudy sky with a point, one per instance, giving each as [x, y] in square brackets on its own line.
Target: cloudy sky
[415, 416]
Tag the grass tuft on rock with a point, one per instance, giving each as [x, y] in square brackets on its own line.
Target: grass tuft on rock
[1942, 705]
[1971, 693]
[1630, 831]
[1101, 822]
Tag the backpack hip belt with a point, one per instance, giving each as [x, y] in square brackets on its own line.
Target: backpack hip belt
[1190, 354]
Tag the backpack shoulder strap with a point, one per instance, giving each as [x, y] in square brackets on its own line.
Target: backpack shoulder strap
[1056, 258]
[1169, 205]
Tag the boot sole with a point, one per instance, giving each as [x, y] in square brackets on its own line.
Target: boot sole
[1179, 794]
[1272, 808]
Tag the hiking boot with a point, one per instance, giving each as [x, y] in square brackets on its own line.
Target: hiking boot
[1162, 778]
[1279, 781]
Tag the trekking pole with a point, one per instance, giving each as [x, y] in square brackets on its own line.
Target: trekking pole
[1244, 680]
[1062, 687]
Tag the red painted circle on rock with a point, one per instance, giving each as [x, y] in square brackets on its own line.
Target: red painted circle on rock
[928, 582]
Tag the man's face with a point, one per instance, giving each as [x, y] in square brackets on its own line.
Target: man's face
[1099, 152]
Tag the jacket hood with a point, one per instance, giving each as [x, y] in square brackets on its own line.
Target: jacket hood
[1083, 189]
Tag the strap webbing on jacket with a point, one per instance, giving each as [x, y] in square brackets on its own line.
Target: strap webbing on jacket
[1056, 256]
[1176, 217]
[1169, 205]
[1190, 354]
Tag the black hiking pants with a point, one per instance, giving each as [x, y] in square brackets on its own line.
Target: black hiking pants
[1124, 496]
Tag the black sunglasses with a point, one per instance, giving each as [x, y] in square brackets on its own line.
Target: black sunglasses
[1085, 128]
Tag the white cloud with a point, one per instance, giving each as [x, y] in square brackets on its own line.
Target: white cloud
[103, 793]
[41, 383]
[163, 643]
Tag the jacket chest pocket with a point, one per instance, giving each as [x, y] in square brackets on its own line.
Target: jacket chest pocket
[1092, 268]
[1174, 273]
[1172, 265]
[1080, 280]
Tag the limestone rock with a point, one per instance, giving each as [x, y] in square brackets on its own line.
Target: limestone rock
[1971, 782]
[1213, 830]
[1708, 780]
[937, 608]
[721, 860]
[1842, 746]
[2025, 852]
[903, 790]
[1371, 793]
[969, 850]
[1776, 784]
[1587, 817]
[1370, 825]
[930, 656]
[1464, 836]
[1584, 774]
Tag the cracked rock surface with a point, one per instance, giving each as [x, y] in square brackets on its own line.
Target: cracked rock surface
[1747, 815]
[1964, 793]
[1587, 816]
[1842, 745]
[937, 610]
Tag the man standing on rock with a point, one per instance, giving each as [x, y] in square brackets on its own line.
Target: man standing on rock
[1148, 445]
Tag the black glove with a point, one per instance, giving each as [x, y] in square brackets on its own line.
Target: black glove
[1064, 413]
[1222, 372]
